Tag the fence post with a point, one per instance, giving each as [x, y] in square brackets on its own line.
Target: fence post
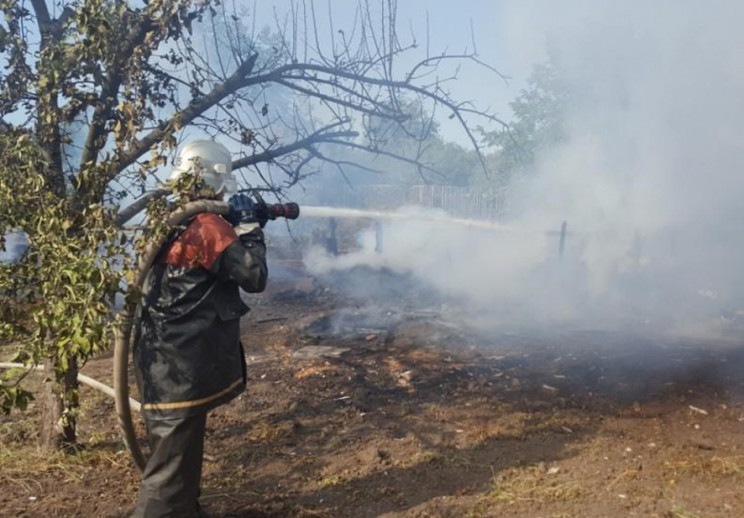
[332, 240]
[378, 237]
[562, 243]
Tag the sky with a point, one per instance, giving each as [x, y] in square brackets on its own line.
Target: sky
[450, 30]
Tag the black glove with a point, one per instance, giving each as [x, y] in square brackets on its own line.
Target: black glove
[239, 204]
[244, 210]
[261, 214]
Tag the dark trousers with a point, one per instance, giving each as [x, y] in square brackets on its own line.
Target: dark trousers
[170, 482]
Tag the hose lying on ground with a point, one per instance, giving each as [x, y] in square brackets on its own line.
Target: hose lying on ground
[82, 378]
[124, 331]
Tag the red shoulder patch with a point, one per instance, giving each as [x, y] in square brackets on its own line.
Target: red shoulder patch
[201, 243]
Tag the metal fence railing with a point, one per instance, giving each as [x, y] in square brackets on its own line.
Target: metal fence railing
[462, 202]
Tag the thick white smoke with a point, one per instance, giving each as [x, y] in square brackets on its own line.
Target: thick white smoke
[650, 179]
[656, 147]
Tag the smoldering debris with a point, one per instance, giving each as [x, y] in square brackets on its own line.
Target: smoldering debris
[318, 351]
[351, 322]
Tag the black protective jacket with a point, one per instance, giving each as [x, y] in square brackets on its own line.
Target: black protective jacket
[188, 355]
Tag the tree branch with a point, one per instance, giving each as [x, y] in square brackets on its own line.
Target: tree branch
[49, 134]
[107, 100]
[195, 108]
[395, 156]
[305, 143]
[438, 59]
[42, 15]
[402, 85]
[342, 102]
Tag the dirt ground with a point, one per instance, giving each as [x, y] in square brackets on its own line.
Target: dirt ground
[359, 410]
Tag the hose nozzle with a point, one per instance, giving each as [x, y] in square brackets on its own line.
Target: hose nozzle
[288, 210]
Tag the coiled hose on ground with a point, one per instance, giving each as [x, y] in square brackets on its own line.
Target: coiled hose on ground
[124, 331]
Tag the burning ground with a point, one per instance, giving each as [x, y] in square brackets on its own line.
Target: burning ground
[362, 408]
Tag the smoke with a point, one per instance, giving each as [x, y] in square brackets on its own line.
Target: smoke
[488, 271]
[649, 179]
[652, 166]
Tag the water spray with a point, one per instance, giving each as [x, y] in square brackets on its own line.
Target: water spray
[292, 211]
[341, 213]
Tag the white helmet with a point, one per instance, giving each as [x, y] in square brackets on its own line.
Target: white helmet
[212, 161]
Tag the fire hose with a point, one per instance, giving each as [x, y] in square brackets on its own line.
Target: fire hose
[127, 318]
[82, 378]
[124, 336]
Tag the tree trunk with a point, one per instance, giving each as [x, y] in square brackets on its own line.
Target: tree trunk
[60, 408]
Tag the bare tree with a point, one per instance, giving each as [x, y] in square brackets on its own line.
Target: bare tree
[95, 95]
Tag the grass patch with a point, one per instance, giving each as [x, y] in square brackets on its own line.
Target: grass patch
[531, 484]
[428, 457]
[223, 479]
[331, 481]
[267, 432]
[28, 466]
[679, 512]
[709, 468]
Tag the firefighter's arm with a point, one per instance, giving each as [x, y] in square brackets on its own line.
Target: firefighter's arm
[244, 260]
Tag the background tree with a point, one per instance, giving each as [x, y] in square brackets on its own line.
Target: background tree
[94, 97]
[538, 122]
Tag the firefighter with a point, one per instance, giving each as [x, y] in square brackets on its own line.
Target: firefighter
[188, 356]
